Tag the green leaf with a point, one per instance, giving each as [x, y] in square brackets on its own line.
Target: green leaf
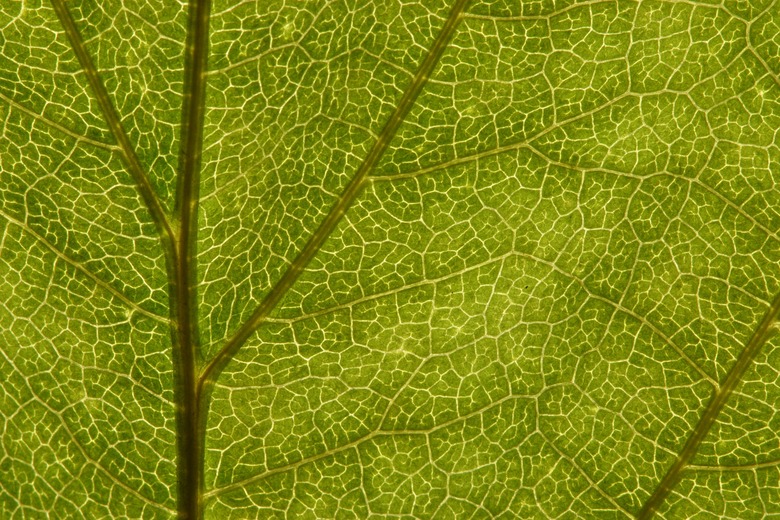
[348, 259]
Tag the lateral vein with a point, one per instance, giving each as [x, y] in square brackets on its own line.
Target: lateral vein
[56, 126]
[765, 330]
[349, 195]
[115, 124]
[81, 268]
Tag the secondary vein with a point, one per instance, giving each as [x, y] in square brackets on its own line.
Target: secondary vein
[177, 256]
[115, 126]
[82, 269]
[765, 330]
[351, 191]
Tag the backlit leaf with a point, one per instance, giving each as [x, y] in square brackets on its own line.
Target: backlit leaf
[356, 259]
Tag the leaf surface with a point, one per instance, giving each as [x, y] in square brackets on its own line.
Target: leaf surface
[427, 259]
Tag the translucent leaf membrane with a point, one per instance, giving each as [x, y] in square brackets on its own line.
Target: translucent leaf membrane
[87, 412]
[525, 313]
[297, 94]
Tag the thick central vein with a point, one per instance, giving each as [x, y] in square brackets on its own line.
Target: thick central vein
[190, 419]
[177, 261]
[351, 192]
[763, 332]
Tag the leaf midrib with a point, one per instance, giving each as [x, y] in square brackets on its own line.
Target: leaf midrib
[179, 247]
[190, 414]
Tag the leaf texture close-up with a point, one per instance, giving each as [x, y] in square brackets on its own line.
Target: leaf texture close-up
[438, 259]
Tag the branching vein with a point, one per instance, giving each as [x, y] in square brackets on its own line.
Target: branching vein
[345, 200]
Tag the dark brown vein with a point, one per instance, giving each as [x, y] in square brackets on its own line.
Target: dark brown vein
[345, 200]
[190, 422]
[763, 332]
[167, 236]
